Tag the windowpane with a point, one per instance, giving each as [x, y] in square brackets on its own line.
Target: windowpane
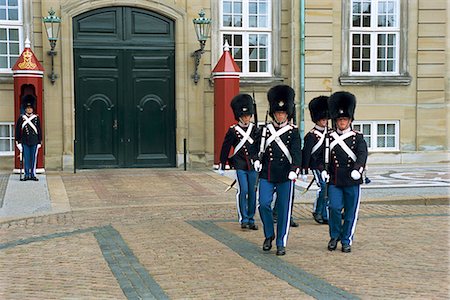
[13, 34]
[14, 48]
[4, 131]
[381, 129]
[252, 21]
[262, 53]
[356, 7]
[2, 14]
[13, 3]
[263, 66]
[366, 7]
[355, 66]
[381, 142]
[366, 21]
[366, 39]
[2, 34]
[391, 39]
[237, 21]
[237, 53]
[4, 146]
[381, 53]
[366, 66]
[366, 129]
[253, 66]
[381, 66]
[365, 52]
[227, 20]
[2, 2]
[3, 48]
[263, 21]
[381, 39]
[3, 62]
[13, 14]
[226, 7]
[263, 8]
[237, 8]
[357, 21]
[253, 8]
[237, 40]
[12, 61]
[356, 39]
[253, 53]
[390, 141]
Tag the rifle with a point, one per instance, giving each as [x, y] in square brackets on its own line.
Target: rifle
[262, 148]
[327, 160]
[309, 186]
[255, 115]
[21, 166]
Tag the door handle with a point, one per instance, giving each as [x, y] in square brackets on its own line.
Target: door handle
[115, 124]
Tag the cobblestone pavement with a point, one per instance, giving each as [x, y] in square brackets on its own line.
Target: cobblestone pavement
[158, 234]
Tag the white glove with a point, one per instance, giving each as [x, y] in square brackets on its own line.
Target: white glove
[39, 146]
[355, 175]
[19, 146]
[221, 172]
[304, 178]
[325, 176]
[257, 165]
[292, 175]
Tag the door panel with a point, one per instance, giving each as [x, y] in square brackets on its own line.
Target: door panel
[154, 112]
[124, 81]
[97, 90]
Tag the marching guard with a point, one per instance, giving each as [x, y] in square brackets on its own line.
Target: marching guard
[279, 166]
[243, 137]
[29, 137]
[348, 156]
[313, 154]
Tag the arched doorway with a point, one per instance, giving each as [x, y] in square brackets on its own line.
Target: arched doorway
[124, 89]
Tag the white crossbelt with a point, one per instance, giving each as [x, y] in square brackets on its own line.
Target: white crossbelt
[320, 142]
[275, 136]
[339, 139]
[27, 120]
[245, 137]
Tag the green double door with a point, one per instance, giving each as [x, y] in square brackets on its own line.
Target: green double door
[124, 89]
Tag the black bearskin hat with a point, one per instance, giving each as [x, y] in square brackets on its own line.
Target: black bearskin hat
[242, 104]
[281, 98]
[342, 104]
[318, 107]
[28, 100]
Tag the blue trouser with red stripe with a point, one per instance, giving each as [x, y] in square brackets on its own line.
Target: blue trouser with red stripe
[284, 198]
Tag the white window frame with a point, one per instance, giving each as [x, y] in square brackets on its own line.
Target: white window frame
[17, 24]
[373, 137]
[245, 31]
[10, 138]
[374, 31]
[400, 75]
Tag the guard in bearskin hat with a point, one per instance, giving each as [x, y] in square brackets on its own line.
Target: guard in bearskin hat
[29, 137]
[244, 138]
[279, 165]
[313, 154]
[348, 156]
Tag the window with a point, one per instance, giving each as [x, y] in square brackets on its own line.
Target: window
[246, 25]
[10, 33]
[373, 33]
[379, 135]
[6, 138]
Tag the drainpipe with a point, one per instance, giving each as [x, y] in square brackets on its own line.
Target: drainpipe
[302, 70]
